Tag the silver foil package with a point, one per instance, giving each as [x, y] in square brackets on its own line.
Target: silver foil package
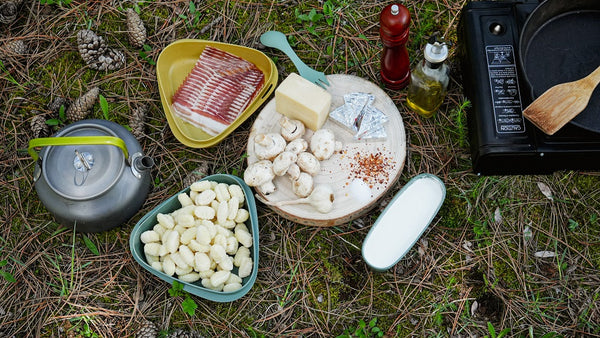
[359, 116]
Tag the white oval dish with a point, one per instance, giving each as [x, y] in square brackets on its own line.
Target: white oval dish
[403, 221]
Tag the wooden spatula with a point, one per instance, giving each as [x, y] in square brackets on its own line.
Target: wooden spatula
[561, 103]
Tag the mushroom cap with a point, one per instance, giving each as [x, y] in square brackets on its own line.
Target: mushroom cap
[293, 171]
[283, 161]
[322, 144]
[259, 173]
[297, 146]
[291, 129]
[267, 188]
[267, 146]
[303, 186]
[308, 163]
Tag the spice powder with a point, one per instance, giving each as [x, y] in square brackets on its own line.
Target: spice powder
[372, 168]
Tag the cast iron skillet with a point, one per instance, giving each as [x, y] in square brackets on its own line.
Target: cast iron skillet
[560, 42]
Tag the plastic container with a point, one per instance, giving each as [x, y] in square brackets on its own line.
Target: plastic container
[149, 220]
[174, 64]
[403, 221]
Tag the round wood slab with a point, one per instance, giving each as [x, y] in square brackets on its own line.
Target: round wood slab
[355, 191]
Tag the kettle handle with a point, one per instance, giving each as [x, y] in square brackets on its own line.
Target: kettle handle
[76, 140]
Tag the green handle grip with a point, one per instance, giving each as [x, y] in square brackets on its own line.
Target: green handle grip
[76, 140]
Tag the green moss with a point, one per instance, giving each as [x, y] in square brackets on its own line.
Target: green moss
[68, 66]
[505, 273]
[453, 213]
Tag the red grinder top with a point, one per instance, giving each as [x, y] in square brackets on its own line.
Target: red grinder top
[394, 23]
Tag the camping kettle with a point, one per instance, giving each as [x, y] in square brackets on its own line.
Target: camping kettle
[91, 175]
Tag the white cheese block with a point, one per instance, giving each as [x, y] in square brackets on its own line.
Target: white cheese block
[300, 99]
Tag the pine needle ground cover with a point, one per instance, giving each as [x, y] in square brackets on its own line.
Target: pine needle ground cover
[506, 255]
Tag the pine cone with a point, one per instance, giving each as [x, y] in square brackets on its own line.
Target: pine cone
[147, 330]
[14, 47]
[197, 174]
[136, 121]
[82, 105]
[95, 52]
[8, 11]
[90, 46]
[54, 106]
[135, 29]
[12, 51]
[111, 60]
[39, 126]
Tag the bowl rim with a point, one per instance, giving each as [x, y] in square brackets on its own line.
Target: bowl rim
[195, 288]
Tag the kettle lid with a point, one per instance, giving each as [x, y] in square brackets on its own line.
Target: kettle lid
[81, 172]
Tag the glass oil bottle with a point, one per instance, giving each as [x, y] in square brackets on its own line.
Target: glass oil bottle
[429, 80]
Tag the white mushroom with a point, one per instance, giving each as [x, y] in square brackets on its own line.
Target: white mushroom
[303, 186]
[308, 163]
[291, 129]
[267, 146]
[260, 175]
[321, 198]
[338, 146]
[282, 162]
[297, 146]
[322, 144]
[293, 171]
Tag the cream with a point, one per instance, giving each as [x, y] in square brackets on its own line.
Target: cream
[403, 221]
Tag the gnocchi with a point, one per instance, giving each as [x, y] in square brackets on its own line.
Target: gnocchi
[205, 197]
[166, 221]
[149, 236]
[205, 240]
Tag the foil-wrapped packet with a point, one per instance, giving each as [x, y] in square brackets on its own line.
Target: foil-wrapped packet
[370, 124]
[347, 114]
[359, 116]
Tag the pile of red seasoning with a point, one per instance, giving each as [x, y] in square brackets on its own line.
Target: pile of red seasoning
[371, 168]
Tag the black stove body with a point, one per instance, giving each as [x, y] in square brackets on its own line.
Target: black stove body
[502, 140]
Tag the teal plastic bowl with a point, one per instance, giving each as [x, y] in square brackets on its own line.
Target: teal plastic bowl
[149, 220]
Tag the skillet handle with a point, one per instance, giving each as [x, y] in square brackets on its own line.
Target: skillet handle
[75, 140]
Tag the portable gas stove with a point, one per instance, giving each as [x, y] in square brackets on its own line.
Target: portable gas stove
[502, 140]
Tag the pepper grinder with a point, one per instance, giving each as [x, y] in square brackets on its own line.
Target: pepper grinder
[394, 23]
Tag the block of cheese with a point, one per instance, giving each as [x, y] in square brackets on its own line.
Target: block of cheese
[300, 99]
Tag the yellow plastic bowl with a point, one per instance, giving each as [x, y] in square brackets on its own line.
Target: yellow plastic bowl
[174, 64]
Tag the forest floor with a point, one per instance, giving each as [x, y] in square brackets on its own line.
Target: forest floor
[506, 255]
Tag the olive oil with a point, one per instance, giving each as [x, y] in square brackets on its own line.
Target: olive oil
[429, 81]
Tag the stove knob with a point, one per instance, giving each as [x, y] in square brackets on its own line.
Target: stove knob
[497, 28]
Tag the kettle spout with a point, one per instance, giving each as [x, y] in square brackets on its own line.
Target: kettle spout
[143, 163]
[140, 164]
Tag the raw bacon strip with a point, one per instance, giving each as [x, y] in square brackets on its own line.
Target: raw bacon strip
[219, 87]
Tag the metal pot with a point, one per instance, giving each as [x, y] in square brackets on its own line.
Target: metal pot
[92, 175]
[559, 43]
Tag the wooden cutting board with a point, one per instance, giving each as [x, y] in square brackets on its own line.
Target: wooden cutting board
[341, 171]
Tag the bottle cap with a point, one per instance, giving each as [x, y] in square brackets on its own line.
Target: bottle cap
[436, 52]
